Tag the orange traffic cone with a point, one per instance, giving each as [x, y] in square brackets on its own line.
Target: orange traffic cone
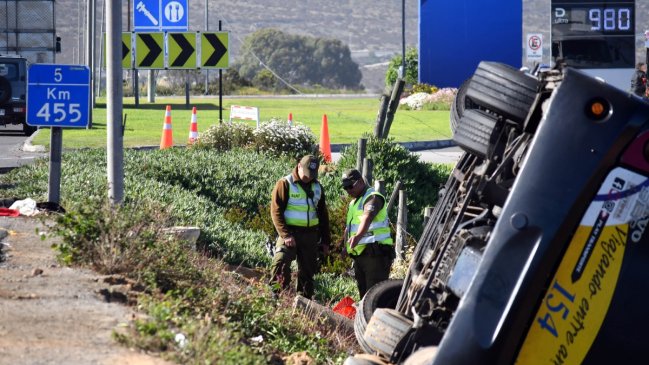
[193, 128]
[325, 147]
[290, 118]
[167, 136]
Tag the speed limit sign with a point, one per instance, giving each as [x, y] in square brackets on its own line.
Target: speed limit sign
[58, 95]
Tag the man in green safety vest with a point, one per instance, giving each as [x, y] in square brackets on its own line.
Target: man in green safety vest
[300, 216]
[367, 232]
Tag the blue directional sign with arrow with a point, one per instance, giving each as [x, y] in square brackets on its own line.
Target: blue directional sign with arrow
[58, 95]
[160, 15]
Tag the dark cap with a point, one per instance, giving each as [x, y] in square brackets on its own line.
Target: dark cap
[350, 176]
[310, 166]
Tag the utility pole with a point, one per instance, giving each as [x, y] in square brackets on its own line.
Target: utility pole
[403, 39]
[207, 28]
[90, 55]
[114, 93]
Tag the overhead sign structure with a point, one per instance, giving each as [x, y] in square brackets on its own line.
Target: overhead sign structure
[181, 50]
[58, 95]
[214, 50]
[160, 15]
[148, 50]
[175, 50]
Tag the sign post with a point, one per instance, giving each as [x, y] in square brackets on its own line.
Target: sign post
[57, 96]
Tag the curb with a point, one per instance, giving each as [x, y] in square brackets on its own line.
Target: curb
[29, 147]
[411, 146]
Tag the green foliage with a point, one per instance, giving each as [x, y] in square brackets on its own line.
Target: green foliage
[297, 59]
[412, 68]
[98, 234]
[330, 287]
[392, 162]
[226, 136]
[275, 136]
[423, 88]
[201, 302]
[436, 106]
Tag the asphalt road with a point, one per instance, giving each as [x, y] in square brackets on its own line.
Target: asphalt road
[439, 155]
[11, 156]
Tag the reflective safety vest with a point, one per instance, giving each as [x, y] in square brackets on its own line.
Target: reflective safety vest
[379, 229]
[301, 211]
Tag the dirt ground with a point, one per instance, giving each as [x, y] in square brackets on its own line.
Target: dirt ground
[51, 314]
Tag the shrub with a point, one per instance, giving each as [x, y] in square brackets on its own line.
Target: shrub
[423, 88]
[198, 187]
[226, 136]
[279, 137]
[392, 162]
[412, 68]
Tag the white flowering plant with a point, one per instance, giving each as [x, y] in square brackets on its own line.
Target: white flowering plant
[439, 100]
[278, 137]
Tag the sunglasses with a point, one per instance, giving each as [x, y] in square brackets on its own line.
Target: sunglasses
[347, 187]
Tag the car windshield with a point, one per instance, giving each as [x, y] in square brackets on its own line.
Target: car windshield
[9, 71]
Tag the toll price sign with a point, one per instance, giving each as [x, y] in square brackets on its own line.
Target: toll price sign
[58, 95]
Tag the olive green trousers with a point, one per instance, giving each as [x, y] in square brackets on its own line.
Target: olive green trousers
[306, 252]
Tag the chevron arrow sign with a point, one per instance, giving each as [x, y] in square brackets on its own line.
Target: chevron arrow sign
[148, 50]
[181, 48]
[214, 50]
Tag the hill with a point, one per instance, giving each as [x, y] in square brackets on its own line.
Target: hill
[372, 29]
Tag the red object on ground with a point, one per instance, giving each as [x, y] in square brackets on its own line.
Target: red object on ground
[6, 212]
[346, 307]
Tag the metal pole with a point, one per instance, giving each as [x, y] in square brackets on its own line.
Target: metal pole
[101, 48]
[79, 41]
[403, 39]
[207, 28]
[221, 90]
[150, 90]
[90, 46]
[187, 89]
[402, 224]
[114, 93]
[54, 181]
[136, 73]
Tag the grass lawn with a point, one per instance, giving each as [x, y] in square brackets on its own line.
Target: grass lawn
[348, 118]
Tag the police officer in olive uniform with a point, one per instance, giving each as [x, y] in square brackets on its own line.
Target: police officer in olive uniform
[368, 232]
[300, 216]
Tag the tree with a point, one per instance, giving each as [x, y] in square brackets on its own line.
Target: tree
[412, 68]
[297, 59]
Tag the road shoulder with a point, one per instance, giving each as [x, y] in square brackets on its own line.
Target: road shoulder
[51, 314]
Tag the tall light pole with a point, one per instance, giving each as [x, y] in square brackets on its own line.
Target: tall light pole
[114, 93]
[403, 39]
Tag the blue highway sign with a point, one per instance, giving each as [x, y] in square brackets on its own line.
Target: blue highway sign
[58, 95]
[160, 15]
